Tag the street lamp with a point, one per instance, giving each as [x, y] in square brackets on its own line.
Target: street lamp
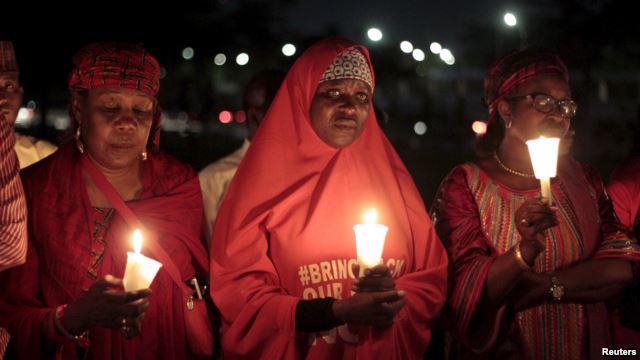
[242, 59]
[510, 19]
[374, 34]
[418, 55]
[406, 47]
[289, 50]
[435, 48]
[220, 59]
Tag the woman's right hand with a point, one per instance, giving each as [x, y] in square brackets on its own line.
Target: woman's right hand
[532, 218]
[106, 305]
[376, 309]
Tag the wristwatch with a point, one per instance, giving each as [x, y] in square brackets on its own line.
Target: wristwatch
[557, 289]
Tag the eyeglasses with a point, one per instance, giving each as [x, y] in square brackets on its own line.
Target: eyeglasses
[547, 103]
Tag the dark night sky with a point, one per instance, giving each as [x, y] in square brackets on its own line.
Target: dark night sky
[415, 20]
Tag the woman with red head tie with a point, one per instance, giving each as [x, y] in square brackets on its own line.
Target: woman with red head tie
[529, 277]
[68, 301]
[283, 245]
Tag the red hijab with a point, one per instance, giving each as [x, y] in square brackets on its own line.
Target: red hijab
[295, 199]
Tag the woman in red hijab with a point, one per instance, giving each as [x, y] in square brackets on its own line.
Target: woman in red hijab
[67, 300]
[529, 280]
[283, 245]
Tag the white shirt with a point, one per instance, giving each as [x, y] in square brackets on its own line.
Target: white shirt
[214, 181]
[31, 150]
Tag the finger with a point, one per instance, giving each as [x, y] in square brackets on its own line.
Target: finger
[538, 211]
[355, 269]
[545, 224]
[368, 284]
[131, 296]
[380, 270]
[396, 306]
[134, 309]
[542, 220]
[99, 285]
[387, 296]
[113, 281]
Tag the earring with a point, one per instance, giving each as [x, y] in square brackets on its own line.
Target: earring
[79, 143]
[507, 124]
[144, 155]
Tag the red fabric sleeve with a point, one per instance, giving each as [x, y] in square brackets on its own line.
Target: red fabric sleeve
[13, 209]
[457, 221]
[23, 312]
[259, 317]
[617, 241]
[624, 189]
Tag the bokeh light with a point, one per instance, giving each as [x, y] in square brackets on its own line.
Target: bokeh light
[220, 59]
[187, 53]
[240, 116]
[288, 49]
[374, 34]
[435, 48]
[418, 54]
[225, 116]
[479, 127]
[406, 47]
[510, 19]
[420, 128]
[242, 59]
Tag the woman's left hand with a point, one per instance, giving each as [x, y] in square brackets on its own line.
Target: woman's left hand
[376, 279]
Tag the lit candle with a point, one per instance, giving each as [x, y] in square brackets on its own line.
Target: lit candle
[544, 158]
[369, 241]
[140, 270]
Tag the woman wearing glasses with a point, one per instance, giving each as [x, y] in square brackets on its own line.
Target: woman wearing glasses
[529, 277]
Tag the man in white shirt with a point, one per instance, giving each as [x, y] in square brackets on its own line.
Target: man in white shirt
[216, 177]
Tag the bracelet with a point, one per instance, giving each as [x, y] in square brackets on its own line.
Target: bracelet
[82, 339]
[519, 259]
[557, 289]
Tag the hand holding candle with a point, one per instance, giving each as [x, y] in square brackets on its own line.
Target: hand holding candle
[369, 241]
[140, 270]
[544, 158]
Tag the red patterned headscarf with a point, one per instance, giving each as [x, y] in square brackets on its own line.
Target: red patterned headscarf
[513, 70]
[8, 63]
[123, 65]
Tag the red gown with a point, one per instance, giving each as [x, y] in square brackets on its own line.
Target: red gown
[285, 232]
[474, 215]
[624, 189]
[70, 245]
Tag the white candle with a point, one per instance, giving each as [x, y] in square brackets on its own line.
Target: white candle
[369, 241]
[544, 159]
[140, 270]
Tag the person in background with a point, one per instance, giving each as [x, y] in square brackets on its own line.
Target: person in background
[28, 148]
[67, 301]
[31, 150]
[215, 178]
[529, 277]
[13, 208]
[283, 244]
[624, 189]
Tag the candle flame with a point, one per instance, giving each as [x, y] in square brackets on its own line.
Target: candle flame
[370, 216]
[544, 156]
[137, 241]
